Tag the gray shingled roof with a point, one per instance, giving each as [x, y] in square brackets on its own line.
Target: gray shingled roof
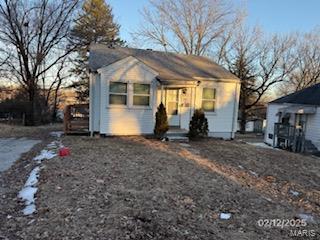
[310, 96]
[170, 66]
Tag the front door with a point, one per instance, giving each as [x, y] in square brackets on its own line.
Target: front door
[172, 105]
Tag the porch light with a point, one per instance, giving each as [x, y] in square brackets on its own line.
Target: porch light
[184, 90]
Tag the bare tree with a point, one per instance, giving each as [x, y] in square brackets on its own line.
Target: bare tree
[203, 27]
[259, 62]
[307, 66]
[239, 53]
[275, 63]
[51, 92]
[188, 26]
[33, 36]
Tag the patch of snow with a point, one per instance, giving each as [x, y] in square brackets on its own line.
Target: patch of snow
[55, 145]
[52, 144]
[306, 217]
[261, 144]
[45, 154]
[100, 181]
[185, 145]
[57, 134]
[27, 194]
[254, 173]
[268, 199]
[225, 216]
[33, 177]
[294, 193]
[29, 209]
[240, 166]
[32, 221]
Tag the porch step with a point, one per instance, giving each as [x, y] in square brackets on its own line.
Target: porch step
[177, 134]
[175, 138]
[309, 148]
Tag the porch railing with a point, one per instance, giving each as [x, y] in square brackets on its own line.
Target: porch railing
[289, 137]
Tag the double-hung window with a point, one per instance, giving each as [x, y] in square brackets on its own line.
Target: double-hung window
[118, 93]
[208, 99]
[141, 94]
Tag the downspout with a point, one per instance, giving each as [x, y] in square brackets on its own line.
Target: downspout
[195, 95]
[161, 90]
[191, 102]
[234, 111]
[161, 100]
[91, 104]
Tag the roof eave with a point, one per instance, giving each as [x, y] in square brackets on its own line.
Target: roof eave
[234, 80]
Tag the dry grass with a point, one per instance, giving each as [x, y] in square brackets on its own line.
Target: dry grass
[134, 188]
[36, 132]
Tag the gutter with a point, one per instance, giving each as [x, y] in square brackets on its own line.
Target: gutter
[230, 80]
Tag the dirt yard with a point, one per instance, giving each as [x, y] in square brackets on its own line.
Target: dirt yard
[137, 188]
[12, 180]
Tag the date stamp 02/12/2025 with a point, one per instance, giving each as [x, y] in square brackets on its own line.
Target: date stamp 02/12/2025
[296, 227]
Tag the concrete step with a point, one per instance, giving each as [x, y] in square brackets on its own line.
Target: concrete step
[307, 151]
[179, 134]
[177, 131]
[175, 138]
[309, 147]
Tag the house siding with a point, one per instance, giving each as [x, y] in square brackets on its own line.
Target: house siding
[222, 122]
[272, 118]
[127, 120]
[313, 128]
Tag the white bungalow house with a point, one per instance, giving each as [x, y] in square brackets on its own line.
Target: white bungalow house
[293, 121]
[127, 85]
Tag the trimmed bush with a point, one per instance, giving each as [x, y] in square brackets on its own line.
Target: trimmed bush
[161, 126]
[198, 126]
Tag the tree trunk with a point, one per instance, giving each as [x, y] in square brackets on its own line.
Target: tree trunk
[243, 112]
[55, 103]
[54, 110]
[243, 122]
[30, 116]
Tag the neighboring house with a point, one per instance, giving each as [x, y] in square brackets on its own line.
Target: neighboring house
[254, 125]
[127, 85]
[256, 119]
[295, 117]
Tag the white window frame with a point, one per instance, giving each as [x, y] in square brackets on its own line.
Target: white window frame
[214, 100]
[120, 94]
[142, 95]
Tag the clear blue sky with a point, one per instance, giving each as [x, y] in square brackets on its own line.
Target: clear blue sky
[273, 15]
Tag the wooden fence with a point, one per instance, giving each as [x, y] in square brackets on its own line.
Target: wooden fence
[76, 119]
